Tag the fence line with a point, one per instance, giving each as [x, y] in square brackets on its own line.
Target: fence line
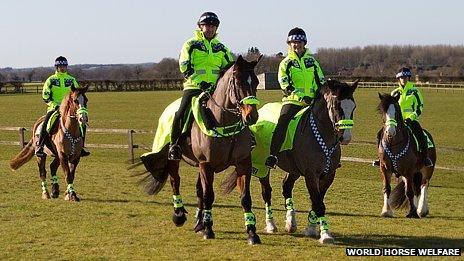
[129, 132]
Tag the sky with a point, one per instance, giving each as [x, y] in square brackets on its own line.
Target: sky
[34, 32]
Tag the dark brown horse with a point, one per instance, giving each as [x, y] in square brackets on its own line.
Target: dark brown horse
[315, 156]
[398, 155]
[65, 144]
[232, 105]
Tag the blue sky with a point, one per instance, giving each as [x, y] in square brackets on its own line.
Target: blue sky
[34, 32]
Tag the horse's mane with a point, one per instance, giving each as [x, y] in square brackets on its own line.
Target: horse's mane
[223, 71]
[66, 104]
[343, 90]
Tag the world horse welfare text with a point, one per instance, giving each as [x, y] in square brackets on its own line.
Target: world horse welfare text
[403, 251]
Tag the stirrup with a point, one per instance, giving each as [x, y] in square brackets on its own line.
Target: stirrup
[376, 163]
[428, 162]
[271, 162]
[174, 152]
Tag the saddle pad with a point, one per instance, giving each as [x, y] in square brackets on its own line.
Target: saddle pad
[263, 130]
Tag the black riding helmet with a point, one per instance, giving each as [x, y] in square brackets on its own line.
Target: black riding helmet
[297, 34]
[404, 72]
[208, 18]
[61, 61]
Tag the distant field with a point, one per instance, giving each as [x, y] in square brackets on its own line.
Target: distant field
[115, 219]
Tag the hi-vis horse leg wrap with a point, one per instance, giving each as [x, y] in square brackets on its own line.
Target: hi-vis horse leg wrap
[268, 212]
[323, 225]
[70, 188]
[289, 204]
[177, 201]
[312, 218]
[208, 217]
[54, 179]
[44, 186]
[250, 219]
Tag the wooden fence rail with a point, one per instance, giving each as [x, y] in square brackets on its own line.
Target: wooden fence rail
[129, 132]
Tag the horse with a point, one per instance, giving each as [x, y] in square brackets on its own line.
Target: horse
[315, 156]
[398, 154]
[232, 107]
[65, 145]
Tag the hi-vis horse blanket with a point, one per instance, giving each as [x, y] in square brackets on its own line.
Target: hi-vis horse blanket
[262, 131]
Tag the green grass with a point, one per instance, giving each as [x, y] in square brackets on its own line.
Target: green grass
[116, 220]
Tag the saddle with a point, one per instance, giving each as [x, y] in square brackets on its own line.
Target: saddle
[430, 142]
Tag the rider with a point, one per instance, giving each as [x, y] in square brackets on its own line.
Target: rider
[201, 59]
[412, 105]
[300, 77]
[54, 90]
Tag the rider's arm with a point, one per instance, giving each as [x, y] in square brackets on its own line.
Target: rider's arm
[185, 65]
[47, 94]
[418, 104]
[227, 59]
[284, 78]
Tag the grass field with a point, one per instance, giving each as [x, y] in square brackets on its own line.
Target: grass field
[116, 220]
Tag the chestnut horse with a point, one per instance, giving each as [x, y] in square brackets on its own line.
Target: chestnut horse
[65, 144]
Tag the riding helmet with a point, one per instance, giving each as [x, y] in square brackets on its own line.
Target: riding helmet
[404, 72]
[297, 34]
[208, 18]
[61, 61]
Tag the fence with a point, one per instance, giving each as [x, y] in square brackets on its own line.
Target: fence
[130, 139]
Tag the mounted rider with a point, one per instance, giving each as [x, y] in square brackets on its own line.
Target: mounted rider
[55, 88]
[201, 60]
[412, 104]
[300, 77]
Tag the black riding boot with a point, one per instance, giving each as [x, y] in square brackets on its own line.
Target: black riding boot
[422, 140]
[39, 151]
[287, 112]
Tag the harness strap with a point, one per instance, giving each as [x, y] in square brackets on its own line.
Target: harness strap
[328, 152]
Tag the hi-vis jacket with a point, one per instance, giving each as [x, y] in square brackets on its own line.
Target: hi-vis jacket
[302, 76]
[411, 101]
[202, 60]
[56, 87]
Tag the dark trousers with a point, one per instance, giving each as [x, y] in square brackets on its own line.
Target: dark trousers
[43, 131]
[418, 132]
[287, 112]
[179, 116]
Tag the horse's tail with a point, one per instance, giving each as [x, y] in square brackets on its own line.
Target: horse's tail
[155, 174]
[23, 157]
[398, 197]
[229, 183]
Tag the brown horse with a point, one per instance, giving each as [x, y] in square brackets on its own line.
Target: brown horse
[315, 156]
[65, 144]
[398, 155]
[233, 108]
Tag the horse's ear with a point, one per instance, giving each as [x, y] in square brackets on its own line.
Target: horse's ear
[240, 60]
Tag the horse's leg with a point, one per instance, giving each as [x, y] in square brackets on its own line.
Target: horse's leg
[318, 206]
[43, 176]
[287, 189]
[386, 179]
[244, 169]
[207, 179]
[409, 186]
[179, 217]
[423, 206]
[68, 169]
[266, 192]
[199, 225]
[55, 185]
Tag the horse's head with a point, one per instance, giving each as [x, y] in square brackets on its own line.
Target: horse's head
[241, 90]
[341, 105]
[76, 105]
[391, 114]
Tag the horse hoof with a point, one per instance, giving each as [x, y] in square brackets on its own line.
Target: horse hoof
[412, 215]
[326, 238]
[179, 218]
[55, 190]
[208, 234]
[72, 197]
[423, 213]
[199, 227]
[270, 226]
[311, 231]
[45, 195]
[254, 239]
[387, 214]
[289, 228]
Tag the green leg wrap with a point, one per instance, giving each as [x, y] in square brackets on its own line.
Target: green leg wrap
[177, 200]
[289, 204]
[312, 218]
[70, 188]
[324, 226]
[207, 216]
[44, 186]
[54, 179]
[268, 212]
[250, 218]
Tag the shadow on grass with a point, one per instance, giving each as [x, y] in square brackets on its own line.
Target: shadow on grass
[398, 241]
